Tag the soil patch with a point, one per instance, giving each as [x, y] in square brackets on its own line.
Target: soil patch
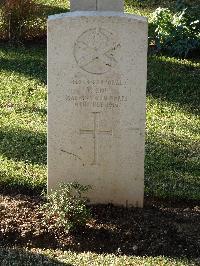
[161, 228]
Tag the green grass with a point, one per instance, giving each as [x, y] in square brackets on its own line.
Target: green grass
[57, 257]
[145, 7]
[23, 118]
[173, 126]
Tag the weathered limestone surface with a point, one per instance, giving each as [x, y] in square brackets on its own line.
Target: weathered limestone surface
[97, 65]
[110, 5]
[83, 5]
[99, 5]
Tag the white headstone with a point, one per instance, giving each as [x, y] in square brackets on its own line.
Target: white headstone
[97, 67]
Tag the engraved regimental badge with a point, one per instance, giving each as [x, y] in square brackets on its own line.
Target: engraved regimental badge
[95, 51]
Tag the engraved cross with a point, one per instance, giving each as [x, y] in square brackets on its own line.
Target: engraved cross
[95, 132]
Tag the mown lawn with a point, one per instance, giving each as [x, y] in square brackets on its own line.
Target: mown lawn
[67, 258]
[173, 128]
[172, 164]
[172, 134]
[23, 118]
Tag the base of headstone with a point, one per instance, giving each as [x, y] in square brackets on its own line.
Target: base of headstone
[97, 67]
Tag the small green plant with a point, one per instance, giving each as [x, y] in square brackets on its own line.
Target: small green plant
[176, 33]
[66, 206]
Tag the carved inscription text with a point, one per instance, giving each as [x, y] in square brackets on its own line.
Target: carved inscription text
[97, 93]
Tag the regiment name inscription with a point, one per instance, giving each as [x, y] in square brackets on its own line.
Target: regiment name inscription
[97, 93]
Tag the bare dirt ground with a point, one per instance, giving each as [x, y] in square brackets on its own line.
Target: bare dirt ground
[161, 228]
